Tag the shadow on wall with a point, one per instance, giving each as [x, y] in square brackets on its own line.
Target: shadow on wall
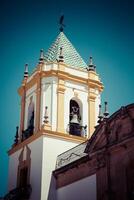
[52, 189]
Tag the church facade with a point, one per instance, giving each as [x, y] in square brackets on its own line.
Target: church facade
[105, 169]
[59, 110]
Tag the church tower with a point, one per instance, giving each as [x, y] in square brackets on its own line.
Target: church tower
[59, 109]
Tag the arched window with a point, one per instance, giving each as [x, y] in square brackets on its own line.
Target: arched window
[74, 109]
[30, 119]
[75, 117]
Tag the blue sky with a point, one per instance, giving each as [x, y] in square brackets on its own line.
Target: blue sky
[103, 29]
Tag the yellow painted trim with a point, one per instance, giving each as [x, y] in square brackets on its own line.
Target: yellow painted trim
[91, 111]
[38, 103]
[46, 127]
[22, 116]
[65, 76]
[49, 133]
[60, 105]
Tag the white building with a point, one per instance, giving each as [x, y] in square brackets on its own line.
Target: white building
[59, 109]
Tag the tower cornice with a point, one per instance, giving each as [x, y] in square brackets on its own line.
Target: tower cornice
[46, 133]
[92, 80]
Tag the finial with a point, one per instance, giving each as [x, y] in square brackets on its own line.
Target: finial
[61, 57]
[91, 66]
[100, 114]
[106, 113]
[61, 23]
[26, 71]
[91, 61]
[46, 116]
[41, 59]
[16, 136]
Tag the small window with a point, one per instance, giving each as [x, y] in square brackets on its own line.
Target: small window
[74, 109]
[75, 117]
[23, 179]
[30, 119]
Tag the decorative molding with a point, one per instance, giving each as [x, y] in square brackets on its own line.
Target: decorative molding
[100, 160]
[47, 133]
[24, 163]
[92, 83]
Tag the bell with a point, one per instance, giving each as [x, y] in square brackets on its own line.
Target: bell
[74, 119]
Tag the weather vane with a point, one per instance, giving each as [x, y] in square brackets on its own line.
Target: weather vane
[62, 25]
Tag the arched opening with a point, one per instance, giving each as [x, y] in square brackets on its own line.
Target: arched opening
[30, 121]
[74, 109]
[75, 118]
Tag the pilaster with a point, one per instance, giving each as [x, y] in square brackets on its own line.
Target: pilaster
[91, 110]
[38, 103]
[60, 101]
[23, 101]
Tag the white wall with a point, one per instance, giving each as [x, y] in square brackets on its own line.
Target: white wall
[77, 72]
[36, 148]
[52, 147]
[49, 98]
[84, 189]
[13, 169]
[36, 166]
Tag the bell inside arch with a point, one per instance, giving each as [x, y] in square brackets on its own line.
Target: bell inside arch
[74, 119]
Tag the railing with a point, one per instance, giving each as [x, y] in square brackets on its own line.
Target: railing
[71, 155]
[27, 133]
[19, 193]
[77, 129]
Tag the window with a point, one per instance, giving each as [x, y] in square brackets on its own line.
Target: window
[75, 117]
[74, 109]
[23, 179]
[30, 119]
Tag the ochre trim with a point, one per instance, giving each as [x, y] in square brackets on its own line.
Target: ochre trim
[23, 164]
[64, 76]
[22, 117]
[91, 111]
[49, 133]
[38, 103]
[60, 105]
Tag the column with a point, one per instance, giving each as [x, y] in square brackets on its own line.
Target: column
[60, 106]
[38, 102]
[91, 111]
[22, 116]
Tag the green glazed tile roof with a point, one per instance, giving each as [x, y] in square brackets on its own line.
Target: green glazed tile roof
[71, 56]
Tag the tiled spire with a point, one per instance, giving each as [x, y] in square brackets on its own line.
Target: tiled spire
[71, 56]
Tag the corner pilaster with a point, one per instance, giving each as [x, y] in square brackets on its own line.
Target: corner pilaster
[38, 102]
[60, 100]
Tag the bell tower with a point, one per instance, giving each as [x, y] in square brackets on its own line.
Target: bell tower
[59, 109]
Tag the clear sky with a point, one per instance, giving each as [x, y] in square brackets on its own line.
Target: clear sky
[101, 28]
